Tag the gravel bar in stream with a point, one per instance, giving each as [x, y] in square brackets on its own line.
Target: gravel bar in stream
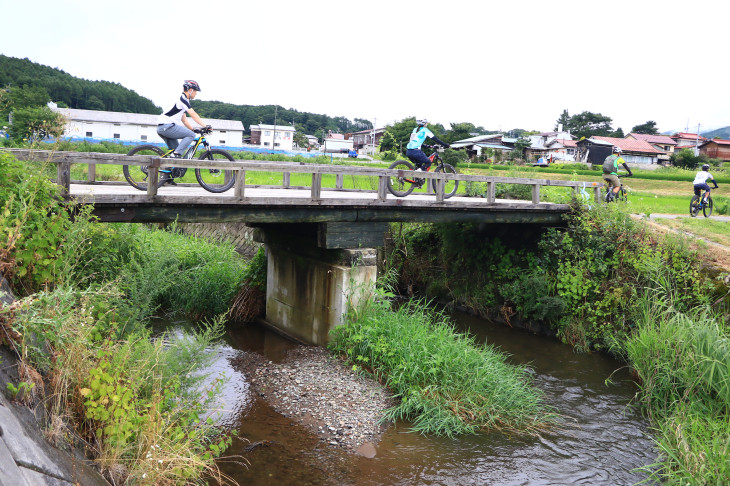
[319, 391]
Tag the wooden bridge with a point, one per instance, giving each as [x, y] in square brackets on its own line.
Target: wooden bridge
[285, 203]
[319, 240]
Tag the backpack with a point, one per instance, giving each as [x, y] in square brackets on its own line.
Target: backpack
[609, 164]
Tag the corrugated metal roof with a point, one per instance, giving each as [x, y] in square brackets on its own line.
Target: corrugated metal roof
[718, 141]
[663, 139]
[135, 118]
[629, 145]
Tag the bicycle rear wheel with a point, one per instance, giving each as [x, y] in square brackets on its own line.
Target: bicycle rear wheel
[215, 180]
[450, 185]
[707, 208]
[137, 175]
[694, 206]
[400, 186]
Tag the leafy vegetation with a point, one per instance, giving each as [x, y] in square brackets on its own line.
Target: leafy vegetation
[447, 384]
[81, 336]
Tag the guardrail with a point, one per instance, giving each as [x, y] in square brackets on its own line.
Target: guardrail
[64, 160]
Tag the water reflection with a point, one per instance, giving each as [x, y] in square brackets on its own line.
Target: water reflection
[602, 442]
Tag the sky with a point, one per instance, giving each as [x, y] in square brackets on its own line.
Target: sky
[500, 65]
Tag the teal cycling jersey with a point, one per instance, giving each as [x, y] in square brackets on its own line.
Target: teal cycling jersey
[418, 136]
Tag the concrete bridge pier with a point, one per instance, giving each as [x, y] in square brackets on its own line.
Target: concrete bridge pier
[314, 271]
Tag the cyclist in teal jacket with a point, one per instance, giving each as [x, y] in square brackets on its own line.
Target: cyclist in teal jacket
[413, 149]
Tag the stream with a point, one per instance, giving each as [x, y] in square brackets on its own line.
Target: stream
[602, 441]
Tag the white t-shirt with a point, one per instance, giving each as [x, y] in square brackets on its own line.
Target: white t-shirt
[174, 114]
[702, 177]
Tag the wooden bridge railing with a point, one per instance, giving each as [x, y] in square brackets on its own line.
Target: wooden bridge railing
[64, 160]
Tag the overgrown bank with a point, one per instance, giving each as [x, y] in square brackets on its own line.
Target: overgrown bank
[130, 400]
[603, 282]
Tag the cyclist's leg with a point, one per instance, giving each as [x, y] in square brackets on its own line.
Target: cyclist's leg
[183, 136]
[613, 184]
[419, 159]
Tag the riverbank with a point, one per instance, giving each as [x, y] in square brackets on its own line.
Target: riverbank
[318, 391]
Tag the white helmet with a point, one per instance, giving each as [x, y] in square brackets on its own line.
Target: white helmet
[617, 150]
[422, 122]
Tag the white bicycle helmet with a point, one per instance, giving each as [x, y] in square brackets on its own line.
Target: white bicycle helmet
[422, 122]
[617, 150]
[706, 167]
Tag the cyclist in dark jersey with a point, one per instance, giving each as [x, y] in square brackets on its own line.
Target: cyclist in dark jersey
[173, 124]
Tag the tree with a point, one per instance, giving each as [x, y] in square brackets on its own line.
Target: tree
[563, 120]
[36, 124]
[520, 145]
[301, 140]
[588, 124]
[648, 128]
[619, 133]
[459, 131]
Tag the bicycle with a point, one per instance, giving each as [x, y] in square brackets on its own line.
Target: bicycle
[212, 180]
[697, 203]
[621, 196]
[401, 186]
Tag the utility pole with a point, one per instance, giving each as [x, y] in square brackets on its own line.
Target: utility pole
[697, 141]
[273, 142]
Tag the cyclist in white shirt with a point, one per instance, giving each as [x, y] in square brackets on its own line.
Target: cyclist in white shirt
[700, 182]
[173, 124]
[413, 149]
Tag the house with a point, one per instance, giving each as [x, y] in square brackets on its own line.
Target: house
[312, 141]
[660, 142]
[638, 152]
[539, 143]
[475, 145]
[367, 140]
[135, 128]
[276, 137]
[716, 149]
[562, 149]
[336, 142]
[687, 140]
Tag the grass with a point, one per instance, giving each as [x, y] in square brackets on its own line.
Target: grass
[446, 383]
[683, 364]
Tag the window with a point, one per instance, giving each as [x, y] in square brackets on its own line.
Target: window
[266, 144]
[570, 151]
[223, 131]
[221, 141]
[267, 133]
[116, 124]
[144, 138]
[116, 135]
[89, 134]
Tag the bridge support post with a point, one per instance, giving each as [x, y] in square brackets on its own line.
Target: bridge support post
[310, 283]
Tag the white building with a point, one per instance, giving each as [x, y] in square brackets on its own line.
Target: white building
[137, 128]
[277, 137]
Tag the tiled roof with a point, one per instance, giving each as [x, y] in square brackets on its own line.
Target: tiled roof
[662, 139]
[564, 143]
[687, 136]
[630, 145]
[718, 141]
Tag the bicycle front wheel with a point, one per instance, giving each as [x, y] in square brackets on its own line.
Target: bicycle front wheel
[137, 175]
[622, 195]
[707, 208]
[450, 185]
[400, 186]
[215, 180]
[694, 206]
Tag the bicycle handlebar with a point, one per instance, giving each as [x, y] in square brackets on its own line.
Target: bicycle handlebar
[204, 130]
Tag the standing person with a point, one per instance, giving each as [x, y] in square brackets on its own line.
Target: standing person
[610, 171]
[700, 182]
[413, 149]
[173, 124]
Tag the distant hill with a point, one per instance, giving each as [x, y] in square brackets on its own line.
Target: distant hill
[723, 133]
[74, 92]
[106, 96]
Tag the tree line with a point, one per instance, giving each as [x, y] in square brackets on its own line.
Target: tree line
[69, 91]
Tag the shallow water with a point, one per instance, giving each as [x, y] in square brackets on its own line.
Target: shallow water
[602, 441]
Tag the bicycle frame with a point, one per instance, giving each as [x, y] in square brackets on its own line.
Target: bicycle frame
[436, 159]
